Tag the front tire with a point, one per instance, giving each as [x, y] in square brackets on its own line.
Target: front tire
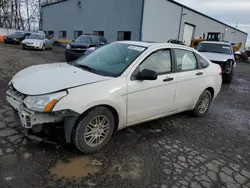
[94, 130]
[43, 47]
[203, 104]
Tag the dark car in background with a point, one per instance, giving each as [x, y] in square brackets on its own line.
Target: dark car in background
[83, 45]
[16, 37]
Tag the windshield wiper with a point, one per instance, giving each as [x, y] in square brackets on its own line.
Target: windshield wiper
[86, 67]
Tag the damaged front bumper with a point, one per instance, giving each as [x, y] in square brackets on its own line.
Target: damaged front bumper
[226, 66]
[35, 120]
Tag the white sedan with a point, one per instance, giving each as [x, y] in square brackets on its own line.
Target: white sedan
[118, 85]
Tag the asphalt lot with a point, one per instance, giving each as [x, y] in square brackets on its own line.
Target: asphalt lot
[177, 151]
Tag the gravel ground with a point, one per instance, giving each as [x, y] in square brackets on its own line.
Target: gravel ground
[177, 151]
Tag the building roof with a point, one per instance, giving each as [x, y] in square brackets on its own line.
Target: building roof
[184, 6]
[177, 3]
[48, 4]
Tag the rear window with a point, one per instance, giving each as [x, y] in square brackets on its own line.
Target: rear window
[215, 48]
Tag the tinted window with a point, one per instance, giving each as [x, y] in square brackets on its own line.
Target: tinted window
[36, 36]
[185, 60]
[214, 48]
[159, 61]
[202, 62]
[95, 40]
[18, 33]
[83, 39]
[111, 59]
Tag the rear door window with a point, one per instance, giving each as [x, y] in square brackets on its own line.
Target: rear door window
[185, 60]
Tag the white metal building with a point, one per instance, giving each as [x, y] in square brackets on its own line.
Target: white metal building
[148, 20]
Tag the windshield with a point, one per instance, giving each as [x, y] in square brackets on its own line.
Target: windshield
[214, 48]
[36, 36]
[112, 59]
[18, 33]
[83, 39]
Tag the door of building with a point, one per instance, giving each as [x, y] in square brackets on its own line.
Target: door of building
[188, 33]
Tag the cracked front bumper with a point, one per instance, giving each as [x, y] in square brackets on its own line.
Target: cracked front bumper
[28, 117]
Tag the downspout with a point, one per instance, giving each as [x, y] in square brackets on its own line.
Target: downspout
[141, 22]
[180, 23]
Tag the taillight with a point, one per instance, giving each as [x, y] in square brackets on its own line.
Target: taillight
[220, 73]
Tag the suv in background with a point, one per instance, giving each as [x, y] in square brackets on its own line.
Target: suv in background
[83, 45]
[220, 53]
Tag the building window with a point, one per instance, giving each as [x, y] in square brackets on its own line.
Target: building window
[77, 34]
[99, 33]
[62, 34]
[45, 32]
[124, 35]
[51, 33]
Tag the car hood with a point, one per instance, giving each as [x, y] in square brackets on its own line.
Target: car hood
[217, 56]
[31, 40]
[49, 78]
[79, 45]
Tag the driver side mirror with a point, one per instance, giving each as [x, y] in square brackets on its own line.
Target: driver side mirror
[146, 74]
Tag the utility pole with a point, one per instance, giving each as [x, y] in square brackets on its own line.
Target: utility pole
[40, 16]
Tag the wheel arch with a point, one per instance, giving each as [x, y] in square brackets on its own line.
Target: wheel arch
[111, 108]
[211, 90]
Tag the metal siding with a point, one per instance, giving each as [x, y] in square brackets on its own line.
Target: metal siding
[109, 16]
[160, 20]
[204, 25]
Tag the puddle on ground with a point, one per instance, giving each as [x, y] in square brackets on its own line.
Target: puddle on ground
[80, 167]
[76, 168]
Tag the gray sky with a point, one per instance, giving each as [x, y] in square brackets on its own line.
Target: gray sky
[228, 11]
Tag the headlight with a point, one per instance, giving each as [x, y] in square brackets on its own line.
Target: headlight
[68, 46]
[92, 48]
[38, 43]
[43, 103]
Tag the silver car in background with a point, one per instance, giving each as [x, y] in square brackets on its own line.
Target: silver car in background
[37, 41]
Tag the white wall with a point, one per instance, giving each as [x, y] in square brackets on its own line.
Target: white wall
[161, 21]
[204, 25]
[4, 31]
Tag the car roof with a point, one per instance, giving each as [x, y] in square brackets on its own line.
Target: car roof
[152, 44]
[216, 42]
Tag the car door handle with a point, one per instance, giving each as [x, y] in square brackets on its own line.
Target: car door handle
[199, 73]
[168, 79]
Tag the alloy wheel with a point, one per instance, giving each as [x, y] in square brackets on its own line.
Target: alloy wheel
[204, 103]
[96, 131]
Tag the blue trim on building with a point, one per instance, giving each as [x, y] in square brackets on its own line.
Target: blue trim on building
[48, 4]
[172, 1]
[142, 14]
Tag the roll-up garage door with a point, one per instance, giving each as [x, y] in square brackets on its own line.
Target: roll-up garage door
[188, 33]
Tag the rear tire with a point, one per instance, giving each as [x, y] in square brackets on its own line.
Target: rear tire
[203, 104]
[97, 125]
